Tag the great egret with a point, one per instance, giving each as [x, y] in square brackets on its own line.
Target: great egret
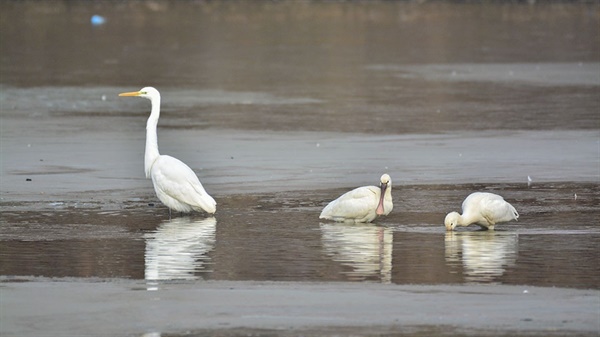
[176, 185]
[362, 204]
[483, 209]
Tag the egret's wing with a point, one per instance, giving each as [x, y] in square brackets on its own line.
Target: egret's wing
[178, 181]
[355, 204]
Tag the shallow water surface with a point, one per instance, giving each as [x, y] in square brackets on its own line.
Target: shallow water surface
[279, 237]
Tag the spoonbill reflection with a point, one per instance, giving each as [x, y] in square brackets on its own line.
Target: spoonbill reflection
[483, 209]
[366, 249]
[362, 204]
[484, 256]
[175, 184]
[177, 249]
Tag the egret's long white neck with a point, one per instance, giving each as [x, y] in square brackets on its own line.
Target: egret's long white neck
[151, 137]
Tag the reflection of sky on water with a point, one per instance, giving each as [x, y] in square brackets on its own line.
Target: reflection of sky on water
[177, 249]
[365, 248]
[483, 255]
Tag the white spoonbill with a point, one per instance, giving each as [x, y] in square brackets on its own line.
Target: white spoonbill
[176, 185]
[483, 209]
[362, 204]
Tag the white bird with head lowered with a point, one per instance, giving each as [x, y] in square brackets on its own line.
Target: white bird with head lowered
[483, 209]
[176, 185]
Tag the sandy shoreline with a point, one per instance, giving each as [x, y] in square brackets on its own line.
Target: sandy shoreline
[43, 307]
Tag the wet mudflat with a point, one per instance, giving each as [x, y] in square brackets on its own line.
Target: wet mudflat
[280, 108]
[294, 309]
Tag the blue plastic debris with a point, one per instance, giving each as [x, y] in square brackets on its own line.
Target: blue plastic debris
[97, 20]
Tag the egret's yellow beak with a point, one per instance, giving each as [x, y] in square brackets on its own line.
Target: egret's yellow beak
[133, 93]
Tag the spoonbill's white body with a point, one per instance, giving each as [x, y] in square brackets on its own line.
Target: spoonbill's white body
[175, 184]
[483, 209]
[362, 204]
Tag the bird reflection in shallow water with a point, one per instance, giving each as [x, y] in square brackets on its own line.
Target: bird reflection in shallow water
[483, 255]
[365, 248]
[177, 249]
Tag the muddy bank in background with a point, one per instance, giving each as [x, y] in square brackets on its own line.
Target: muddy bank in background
[61, 161]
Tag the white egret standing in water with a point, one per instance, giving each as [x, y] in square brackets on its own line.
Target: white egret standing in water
[483, 209]
[176, 185]
[362, 204]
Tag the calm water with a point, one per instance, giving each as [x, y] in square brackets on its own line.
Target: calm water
[378, 68]
[279, 237]
[385, 68]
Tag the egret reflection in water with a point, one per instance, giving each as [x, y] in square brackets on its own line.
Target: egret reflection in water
[178, 249]
[367, 249]
[483, 255]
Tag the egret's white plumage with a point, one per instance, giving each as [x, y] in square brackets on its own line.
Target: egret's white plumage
[483, 209]
[362, 204]
[176, 185]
